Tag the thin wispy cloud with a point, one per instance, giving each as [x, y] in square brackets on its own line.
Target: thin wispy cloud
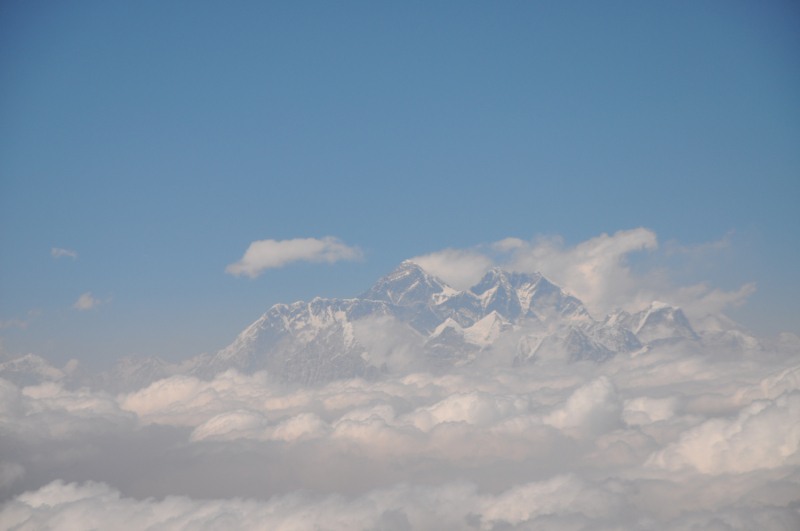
[673, 246]
[266, 254]
[13, 322]
[19, 322]
[86, 302]
[58, 253]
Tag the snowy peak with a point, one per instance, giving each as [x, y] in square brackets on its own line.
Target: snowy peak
[406, 285]
[515, 295]
[573, 343]
[327, 339]
[657, 323]
[442, 328]
[483, 333]
[486, 331]
[497, 294]
[663, 322]
[541, 298]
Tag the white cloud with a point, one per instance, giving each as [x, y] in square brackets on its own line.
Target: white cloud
[766, 434]
[266, 254]
[669, 437]
[646, 410]
[460, 269]
[542, 446]
[560, 503]
[456, 505]
[58, 253]
[704, 306]
[86, 302]
[594, 407]
[598, 273]
[13, 322]
[390, 343]
[32, 314]
[595, 271]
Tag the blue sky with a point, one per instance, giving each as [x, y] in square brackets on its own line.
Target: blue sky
[159, 140]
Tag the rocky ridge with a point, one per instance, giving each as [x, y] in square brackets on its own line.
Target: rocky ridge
[408, 320]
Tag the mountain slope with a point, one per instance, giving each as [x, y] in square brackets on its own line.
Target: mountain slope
[317, 342]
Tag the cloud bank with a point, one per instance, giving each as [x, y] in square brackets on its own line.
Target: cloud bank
[677, 435]
[669, 438]
[266, 254]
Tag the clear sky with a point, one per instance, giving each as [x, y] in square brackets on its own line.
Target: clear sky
[156, 141]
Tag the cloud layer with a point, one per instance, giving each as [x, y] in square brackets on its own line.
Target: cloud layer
[266, 254]
[678, 435]
[669, 438]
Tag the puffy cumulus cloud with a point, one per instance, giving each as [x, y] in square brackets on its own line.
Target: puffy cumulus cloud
[765, 434]
[598, 272]
[49, 412]
[459, 268]
[669, 437]
[248, 424]
[58, 253]
[679, 435]
[594, 406]
[188, 401]
[595, 271]
[646, 410]
[266, 254]
[476, 408]
[686, 390]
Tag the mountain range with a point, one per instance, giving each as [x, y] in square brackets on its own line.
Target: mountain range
[408, 320]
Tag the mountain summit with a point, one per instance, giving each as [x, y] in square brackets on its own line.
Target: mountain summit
[409, 320]
[441, 327]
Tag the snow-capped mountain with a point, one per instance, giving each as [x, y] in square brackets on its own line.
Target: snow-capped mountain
[659, 322]
[408, 320]
[321, 340]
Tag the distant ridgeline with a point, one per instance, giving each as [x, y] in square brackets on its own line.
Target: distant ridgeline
[408, 321]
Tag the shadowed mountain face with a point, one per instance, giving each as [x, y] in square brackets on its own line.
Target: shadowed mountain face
[411, 320]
